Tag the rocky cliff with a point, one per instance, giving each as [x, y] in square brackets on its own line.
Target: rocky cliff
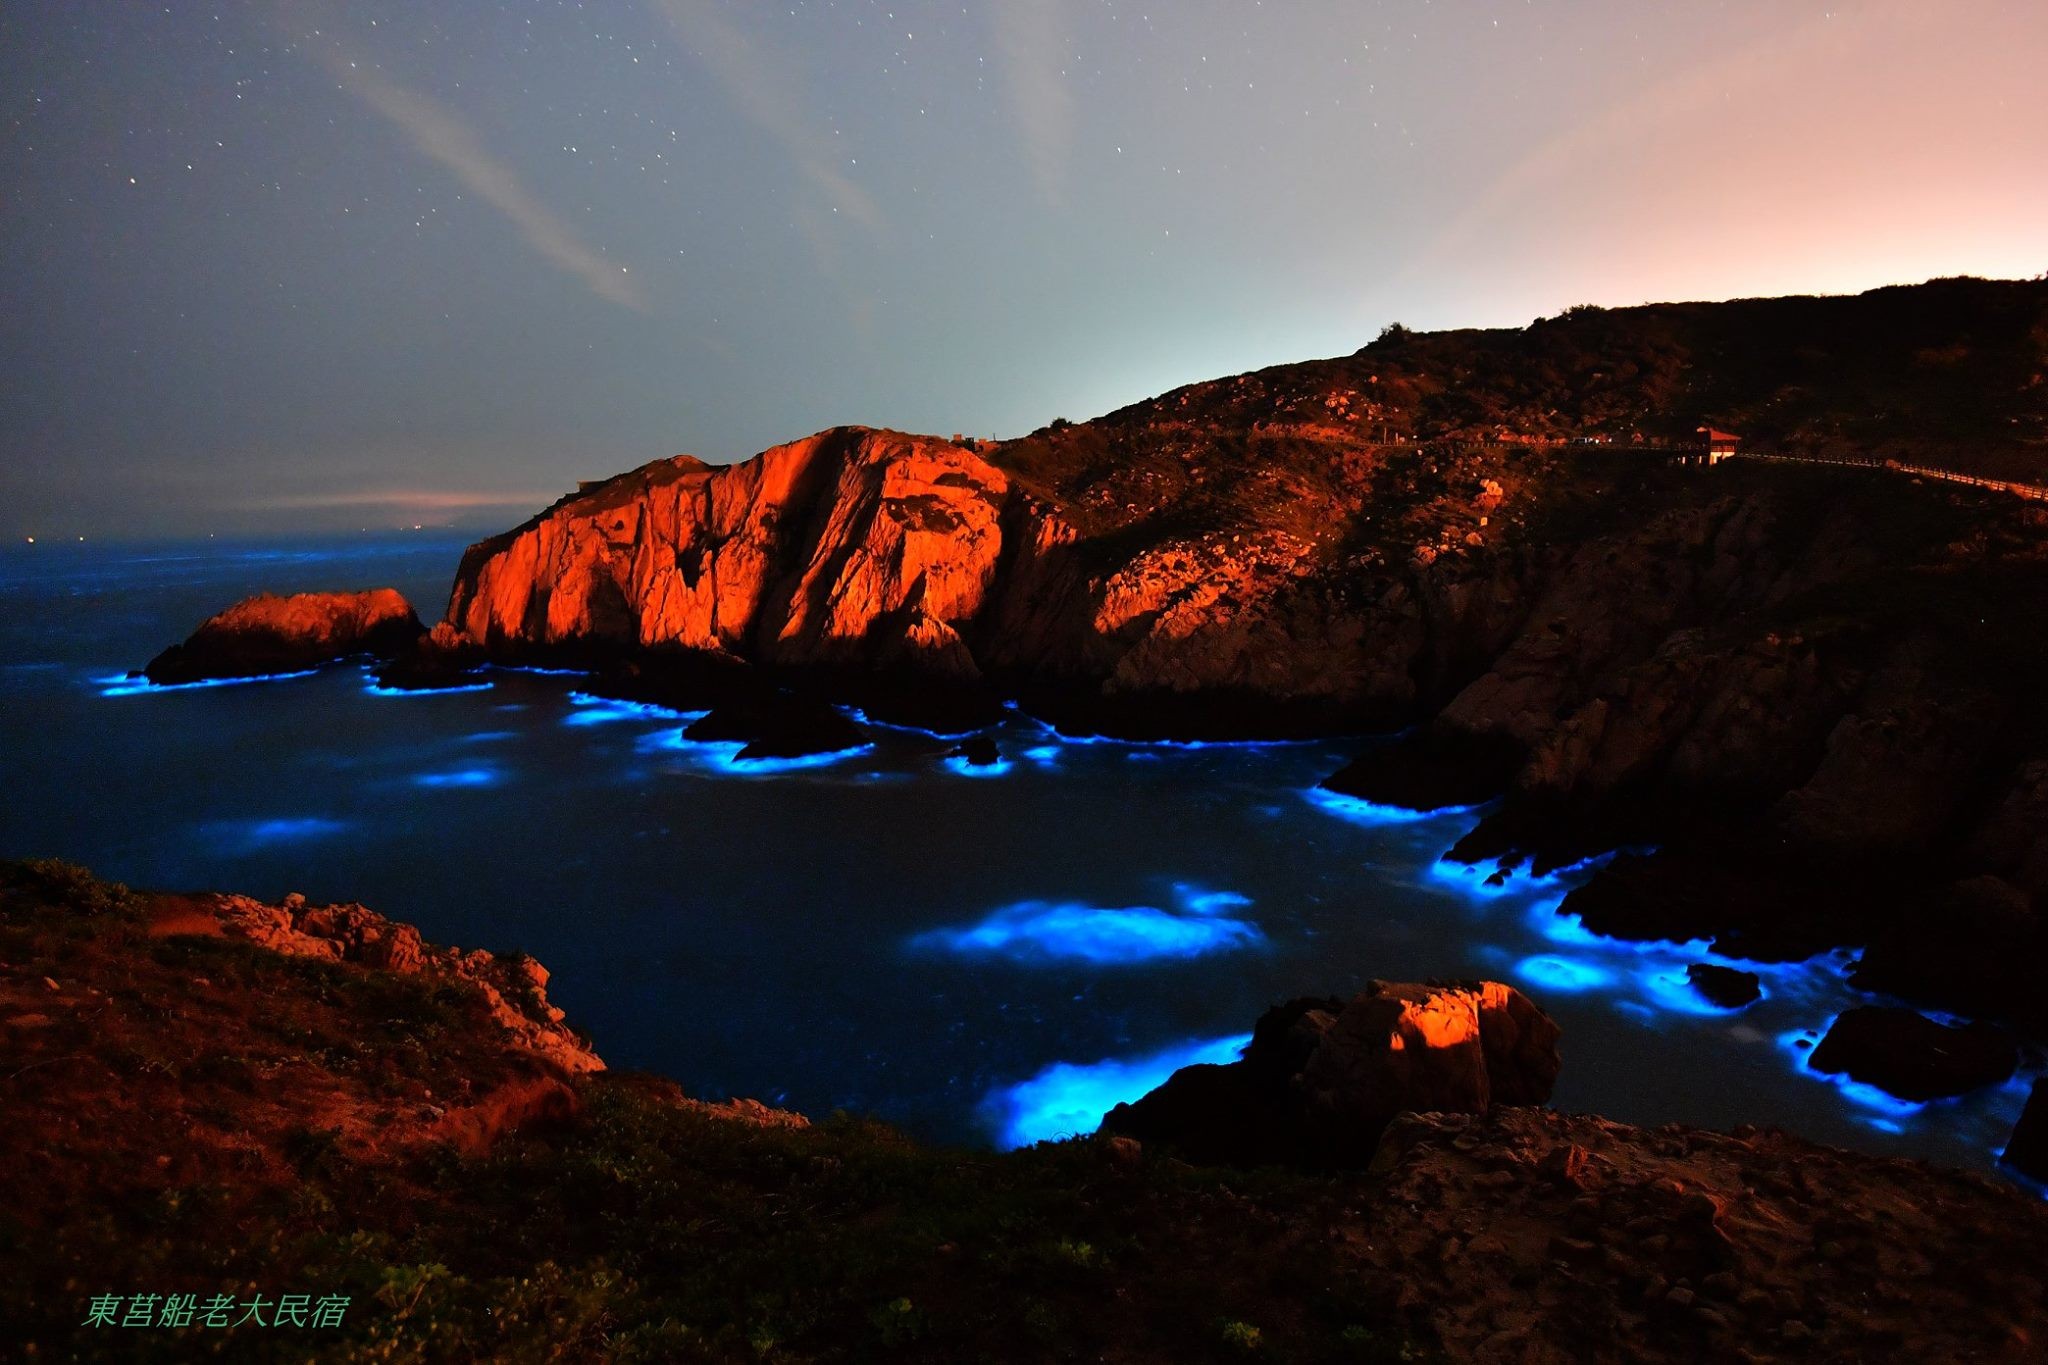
[1811, 687]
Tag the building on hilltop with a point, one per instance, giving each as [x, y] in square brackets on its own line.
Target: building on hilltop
[1711, 448]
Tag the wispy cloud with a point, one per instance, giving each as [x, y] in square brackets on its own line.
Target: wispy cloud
[443, 137]
[765, 88]
[1031, 38]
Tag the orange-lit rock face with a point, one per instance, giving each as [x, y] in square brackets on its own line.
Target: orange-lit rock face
[1419, 1047]
[849, 544]
[883, 550]
[272, 634]
[319, 617]
[1323, 1077]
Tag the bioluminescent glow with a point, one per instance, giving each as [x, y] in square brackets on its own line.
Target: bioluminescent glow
[121, 685]
[250, 836]
[961, 765]
[459, 777]
[1359, 811]
[1562, 974]
[594, 710]
[1669, 988]
[1476, 879]
[1801, 1042]
[1045, 755]
[1198, 902]
[862, 718]
[377, 689]
[1546, 920]
[1068, 1100]
[1052, 931]
[798, 763]
[489, 736]
[1188, 744]
[723, 755]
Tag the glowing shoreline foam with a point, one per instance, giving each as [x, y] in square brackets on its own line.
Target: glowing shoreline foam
[121, 685]
[1068, 1099]
[1360, 811]
[1046, 931]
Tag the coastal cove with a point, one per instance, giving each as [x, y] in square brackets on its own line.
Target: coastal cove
[980, 956]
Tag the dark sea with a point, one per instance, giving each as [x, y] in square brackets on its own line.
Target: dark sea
[982, 958]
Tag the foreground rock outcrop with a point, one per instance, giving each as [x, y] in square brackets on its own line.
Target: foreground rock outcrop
[1537, 1236]
[1322, 1078]
[512, 989]
[268, 634]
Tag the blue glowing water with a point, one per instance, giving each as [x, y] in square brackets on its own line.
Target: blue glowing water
[987, 954]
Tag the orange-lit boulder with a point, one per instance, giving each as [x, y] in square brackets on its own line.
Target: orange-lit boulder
[270, 634]
[1322, 1078]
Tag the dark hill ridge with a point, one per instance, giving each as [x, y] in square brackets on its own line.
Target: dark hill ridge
[1954, 372]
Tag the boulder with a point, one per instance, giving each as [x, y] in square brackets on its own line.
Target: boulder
[1906, 1054]
[1323, 1077]
[2027, 1151]
[269, 634]
[776, 725]
[978, 751]
[1728, 987]
[442, 658]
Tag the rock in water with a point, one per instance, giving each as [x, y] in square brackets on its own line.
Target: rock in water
[779, 726]
[1911, 1056]
[1322, 1078]
[270, 634]
[979, 751]
[1728, 987]
[2027, 1151]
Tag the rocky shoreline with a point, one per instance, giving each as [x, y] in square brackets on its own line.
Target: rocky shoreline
[206, 1091]
[1799, 701]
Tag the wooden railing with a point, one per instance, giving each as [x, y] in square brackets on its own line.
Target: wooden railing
[2018, 490]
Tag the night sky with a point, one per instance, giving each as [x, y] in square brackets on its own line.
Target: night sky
[295, 266]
